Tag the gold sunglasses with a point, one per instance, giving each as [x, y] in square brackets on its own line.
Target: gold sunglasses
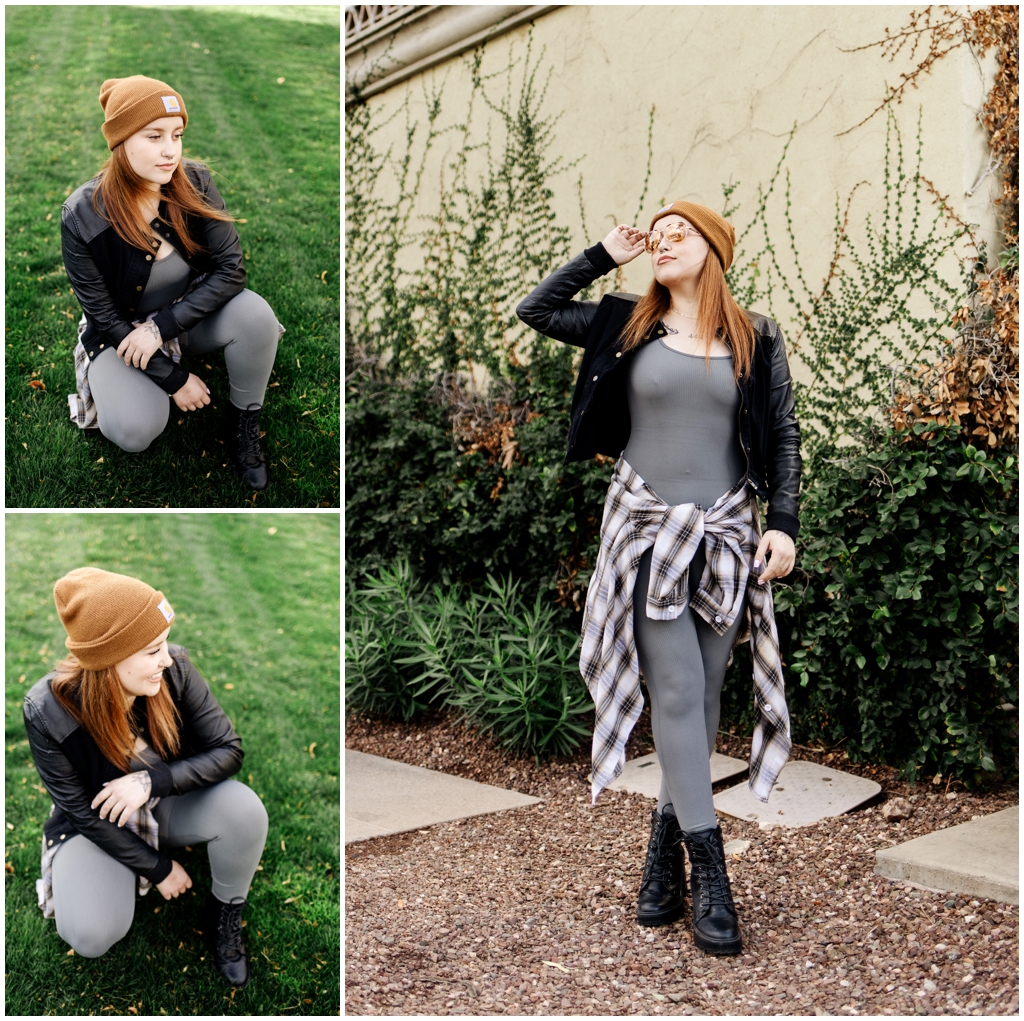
[674, 232]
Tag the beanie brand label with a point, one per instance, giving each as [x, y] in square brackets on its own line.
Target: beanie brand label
[165, 608]
[171, 105]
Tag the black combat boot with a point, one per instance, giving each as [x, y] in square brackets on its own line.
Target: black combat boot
[716, 928]
[244, 440]
[224, 922]
[662, 897]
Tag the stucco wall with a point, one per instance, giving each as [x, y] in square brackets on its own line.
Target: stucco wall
[727, 84]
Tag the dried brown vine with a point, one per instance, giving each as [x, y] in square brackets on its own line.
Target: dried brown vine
[976, 384]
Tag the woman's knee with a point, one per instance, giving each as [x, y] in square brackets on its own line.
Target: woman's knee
[135, 435]
[90, 937]
[239, 808]
[256, 318]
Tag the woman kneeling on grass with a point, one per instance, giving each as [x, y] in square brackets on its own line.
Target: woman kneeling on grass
[155, 262]
[693, 396]
[136, 754]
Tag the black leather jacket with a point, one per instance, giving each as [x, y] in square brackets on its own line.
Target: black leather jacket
[108, 276]
[600, 423]
[73, 770]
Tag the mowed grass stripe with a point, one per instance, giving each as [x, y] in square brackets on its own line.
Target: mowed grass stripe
[291, 240]
[257, 611]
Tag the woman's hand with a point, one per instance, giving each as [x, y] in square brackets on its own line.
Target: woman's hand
[193, 395]
[624, 244]
[120, 797]
[140, 345]
[175, 883]
[783, 553]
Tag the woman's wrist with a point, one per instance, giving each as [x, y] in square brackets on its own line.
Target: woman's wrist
[600, 259]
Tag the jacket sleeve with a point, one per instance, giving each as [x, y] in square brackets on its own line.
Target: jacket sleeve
[207, 728]
[784, 461]
[225, 276]
[90, 288]
[65, 787]
[550, 309]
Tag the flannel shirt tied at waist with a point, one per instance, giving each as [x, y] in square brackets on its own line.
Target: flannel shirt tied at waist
[634, 520]
[141, 822]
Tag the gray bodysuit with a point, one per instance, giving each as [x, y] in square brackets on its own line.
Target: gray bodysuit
[684, 442]
[132, 410]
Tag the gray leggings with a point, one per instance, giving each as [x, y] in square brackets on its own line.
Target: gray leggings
[133, 410]
[683, 662]
[94, 895]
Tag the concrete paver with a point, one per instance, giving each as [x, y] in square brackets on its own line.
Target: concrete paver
[979, 858]
[383, 796]
[804, 794]
[643, 775]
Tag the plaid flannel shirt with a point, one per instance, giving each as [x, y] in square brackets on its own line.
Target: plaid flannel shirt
[634, 520]
[141, 822]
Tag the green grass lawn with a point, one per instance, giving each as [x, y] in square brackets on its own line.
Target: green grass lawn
[258, 613]
[274, 148]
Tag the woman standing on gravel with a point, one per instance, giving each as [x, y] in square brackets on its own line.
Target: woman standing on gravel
[136, 754]
[693, 396]
[155, 262]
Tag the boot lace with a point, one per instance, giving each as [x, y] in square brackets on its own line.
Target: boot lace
[229, 931]
[658, 866]
[710, 869]
[249, 439]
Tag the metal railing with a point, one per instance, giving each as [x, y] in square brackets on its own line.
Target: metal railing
[360, 18]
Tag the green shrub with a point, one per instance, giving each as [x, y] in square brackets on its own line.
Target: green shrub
[502, 664]
[900, 630]
[415, 490]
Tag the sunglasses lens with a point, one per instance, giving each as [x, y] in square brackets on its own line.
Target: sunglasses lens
[676, 234]
[653, 240]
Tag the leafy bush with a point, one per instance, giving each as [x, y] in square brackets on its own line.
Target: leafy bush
[900, 629]
[417, 487]
[502, 664]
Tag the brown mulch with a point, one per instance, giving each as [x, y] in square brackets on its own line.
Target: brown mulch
[530, 911]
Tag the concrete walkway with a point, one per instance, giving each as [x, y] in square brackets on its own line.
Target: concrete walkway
[979, 858]
[383, 796]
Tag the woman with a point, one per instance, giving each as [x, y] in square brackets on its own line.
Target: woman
[156, 265]
[136, 754]
[695, 395]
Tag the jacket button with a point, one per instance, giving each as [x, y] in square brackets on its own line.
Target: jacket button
[618, 354]
[49, 843]
[149, 258]
[63, 835]
[595, 379]
[139, 288]
[101, 347]
[767, 707]
[718, 620]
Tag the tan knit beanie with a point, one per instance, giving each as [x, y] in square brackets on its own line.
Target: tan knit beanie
[108, 617]
[716, 229]
[131, 103]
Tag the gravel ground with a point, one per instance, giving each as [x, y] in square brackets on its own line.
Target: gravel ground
[530, 911]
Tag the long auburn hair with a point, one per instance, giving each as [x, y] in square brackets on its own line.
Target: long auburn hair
[718, 315]
[122, 189]
[96, 699]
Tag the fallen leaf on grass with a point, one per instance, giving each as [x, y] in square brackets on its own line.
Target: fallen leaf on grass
[99, 460]
[280, 81]
[70, 953]
[37, 384]
[310, 749]
[8, 868]
[282, 845]
[271, 531]
[229, 687]
[292, 900]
